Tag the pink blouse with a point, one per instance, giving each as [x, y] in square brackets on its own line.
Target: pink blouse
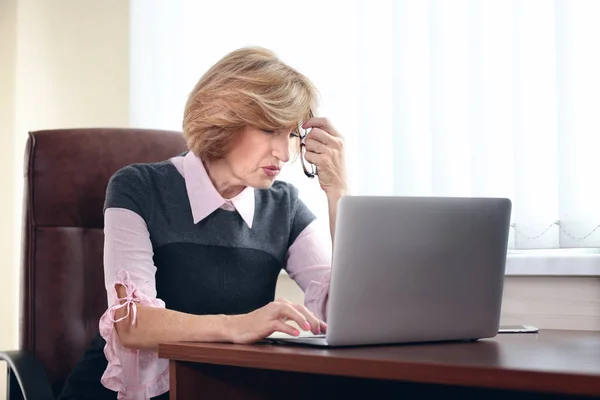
[128, 261]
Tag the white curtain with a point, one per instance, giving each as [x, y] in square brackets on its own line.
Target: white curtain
[437, 98]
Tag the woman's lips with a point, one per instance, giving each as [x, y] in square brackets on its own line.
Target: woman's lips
[271, 170]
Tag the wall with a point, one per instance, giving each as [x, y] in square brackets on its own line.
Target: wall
[554, 302]
[65, 63]
[8, 314]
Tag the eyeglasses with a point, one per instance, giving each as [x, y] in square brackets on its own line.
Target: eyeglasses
[310, 170]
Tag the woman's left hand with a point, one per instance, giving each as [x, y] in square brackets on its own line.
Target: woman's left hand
[325, 149]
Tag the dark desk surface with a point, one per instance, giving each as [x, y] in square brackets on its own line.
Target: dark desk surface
[552, 361]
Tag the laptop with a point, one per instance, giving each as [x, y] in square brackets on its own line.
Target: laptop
[414, 269]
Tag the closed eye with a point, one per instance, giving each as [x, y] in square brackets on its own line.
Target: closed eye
[293, 134]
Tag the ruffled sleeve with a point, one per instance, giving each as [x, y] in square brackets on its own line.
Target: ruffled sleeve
[309, 264]
[128, 261]
[316, 296]
[134, 374]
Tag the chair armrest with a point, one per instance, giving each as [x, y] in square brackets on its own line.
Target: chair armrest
[26, 370]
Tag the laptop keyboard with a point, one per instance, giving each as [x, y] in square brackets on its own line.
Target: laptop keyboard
[313, 336]
[303, 335]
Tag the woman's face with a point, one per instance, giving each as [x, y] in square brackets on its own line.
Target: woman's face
[257, 156]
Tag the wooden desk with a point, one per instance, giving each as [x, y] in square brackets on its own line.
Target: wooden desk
[551, 364]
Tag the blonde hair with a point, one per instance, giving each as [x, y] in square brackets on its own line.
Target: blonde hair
[247, 87]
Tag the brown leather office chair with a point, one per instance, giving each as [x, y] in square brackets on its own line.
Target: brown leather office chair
[62, 291]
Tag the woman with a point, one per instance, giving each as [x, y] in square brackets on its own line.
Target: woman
[194, 244]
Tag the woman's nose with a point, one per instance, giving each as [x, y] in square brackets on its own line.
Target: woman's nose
[281, 149]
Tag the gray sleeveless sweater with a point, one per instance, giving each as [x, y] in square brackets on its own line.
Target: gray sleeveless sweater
[220, 265]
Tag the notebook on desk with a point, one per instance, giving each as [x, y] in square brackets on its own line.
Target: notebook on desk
[414, 269]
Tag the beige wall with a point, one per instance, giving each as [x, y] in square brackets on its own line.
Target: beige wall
[65, 63]
[552, 302]
[8, 309]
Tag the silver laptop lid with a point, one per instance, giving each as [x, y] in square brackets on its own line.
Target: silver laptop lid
[417, 269]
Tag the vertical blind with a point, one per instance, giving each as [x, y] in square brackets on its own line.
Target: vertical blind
[434, 98]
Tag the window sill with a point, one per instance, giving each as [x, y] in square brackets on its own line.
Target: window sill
[559, 262]
[563, 262]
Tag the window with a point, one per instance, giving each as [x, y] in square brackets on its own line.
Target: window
[461, 98]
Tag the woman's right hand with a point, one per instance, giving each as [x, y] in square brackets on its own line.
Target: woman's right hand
[258, 324]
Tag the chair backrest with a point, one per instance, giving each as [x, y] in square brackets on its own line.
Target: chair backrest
[63, 293]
